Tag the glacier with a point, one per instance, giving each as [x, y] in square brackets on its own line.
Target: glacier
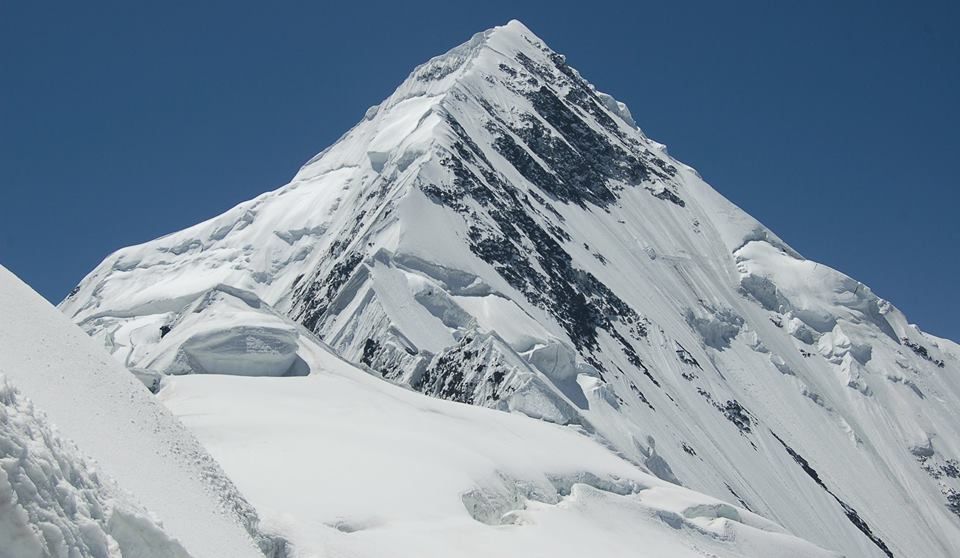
[499, 233]
[336, 463]
[344, 464]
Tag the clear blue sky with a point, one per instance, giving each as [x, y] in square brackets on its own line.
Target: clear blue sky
[837, 124]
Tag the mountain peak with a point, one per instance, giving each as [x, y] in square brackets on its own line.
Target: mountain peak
[498, 232]
[500, 67]
[503, 42]
[514, 26]
[429, 83]
[513, 33]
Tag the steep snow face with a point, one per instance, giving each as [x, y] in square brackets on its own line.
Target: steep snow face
[497, 232]
[52, 497]
[54, 503]
[344, 464]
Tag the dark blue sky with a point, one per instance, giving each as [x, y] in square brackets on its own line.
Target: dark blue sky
[834, 123]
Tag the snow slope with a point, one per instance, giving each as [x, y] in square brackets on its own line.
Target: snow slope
[123, 433]
[344, 464]
[53, 502]
[498, 232]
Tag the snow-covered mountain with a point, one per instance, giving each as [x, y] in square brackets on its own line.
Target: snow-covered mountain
[498, 232]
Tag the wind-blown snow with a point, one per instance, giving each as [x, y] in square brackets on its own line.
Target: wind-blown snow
[497, 232]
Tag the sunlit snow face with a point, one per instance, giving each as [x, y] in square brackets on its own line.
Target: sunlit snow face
[499, 233]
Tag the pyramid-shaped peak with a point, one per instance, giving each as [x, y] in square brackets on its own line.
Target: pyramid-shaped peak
[499, 232]
[514, 37]
[514, 28]
[503, 41]
[504, 66]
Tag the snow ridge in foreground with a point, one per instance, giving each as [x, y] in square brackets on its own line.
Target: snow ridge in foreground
[97, 404]
[54, 502]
